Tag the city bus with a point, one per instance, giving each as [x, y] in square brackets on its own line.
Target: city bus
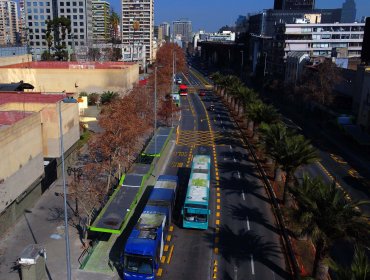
[183, 90]
[196, 211]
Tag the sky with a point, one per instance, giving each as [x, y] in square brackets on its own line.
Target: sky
[210, 15]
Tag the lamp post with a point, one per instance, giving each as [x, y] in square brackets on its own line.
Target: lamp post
[66, 234]
[155, 109]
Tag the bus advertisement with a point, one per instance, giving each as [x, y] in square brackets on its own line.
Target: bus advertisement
[196, 206]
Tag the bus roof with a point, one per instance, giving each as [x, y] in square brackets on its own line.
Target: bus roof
[144, 236]
[198, 188]
[158, 194]
[201, 162]
[182, 86]
[166, 182]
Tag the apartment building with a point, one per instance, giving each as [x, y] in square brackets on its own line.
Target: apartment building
[38, 11]
[183, 27]
[9, 29]
[101, 22]
[138, 29]
[321, 39]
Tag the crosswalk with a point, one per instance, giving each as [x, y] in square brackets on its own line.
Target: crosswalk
[197, 138]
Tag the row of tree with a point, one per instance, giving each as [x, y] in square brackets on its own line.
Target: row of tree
[315, 209]
[126, 123]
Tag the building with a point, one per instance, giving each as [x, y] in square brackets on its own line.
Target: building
[294, 4]
[183, 27]
[349, 11]
[224, 36]
[265, 23]
[166, 30]
[138, 27]
[30, 141]
[101, 21]
[295, 62]
[9, 29]
[321, 39]
[38, 11]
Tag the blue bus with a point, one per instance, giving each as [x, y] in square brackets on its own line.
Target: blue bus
[144, 247]
[196, 211]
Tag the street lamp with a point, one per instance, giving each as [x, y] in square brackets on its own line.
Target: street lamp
[66, 234]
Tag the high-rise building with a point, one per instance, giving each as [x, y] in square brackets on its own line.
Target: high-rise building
[165, 26]
[9, 31]
[38, 11]
[294, 4]
[183, 27]
[349, 11]
[365, 54]
[138, 26]
[100, 20]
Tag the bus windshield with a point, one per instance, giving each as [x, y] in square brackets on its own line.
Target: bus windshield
[138, 264]
[191, 217]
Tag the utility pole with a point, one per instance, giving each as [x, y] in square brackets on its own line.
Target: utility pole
[155, 109]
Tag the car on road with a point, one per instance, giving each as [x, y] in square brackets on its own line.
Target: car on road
[202, 92]
[178, 81]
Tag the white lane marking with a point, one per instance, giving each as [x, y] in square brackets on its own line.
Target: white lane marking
[248, 225]
[243, 195]
[273, 275]
[238, 174]
[235, 273]
[230, 147]
[234, 159]
[252, 264]
[221, 121]
[218, 115]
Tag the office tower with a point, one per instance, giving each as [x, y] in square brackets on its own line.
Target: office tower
[294, 4]
[101, 21]
[349, 11]
[8, 23]
[165, 26]
[365, 54]
[138, 25]
[183, 28]
[38, 11]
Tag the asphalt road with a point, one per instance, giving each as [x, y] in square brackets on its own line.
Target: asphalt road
[242, 241]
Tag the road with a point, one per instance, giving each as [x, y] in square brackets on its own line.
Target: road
[242, 241]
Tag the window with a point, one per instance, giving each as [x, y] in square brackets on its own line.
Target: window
[74, 16]
[48, 11]
[30, 17]
[41, 11]
[61, 3]
[42, 17]
[81, 16]
[75, 30]
[41, 4]
[29, 10]
[36, 17]
[37, 37]
[36, 23]
[37, 30]
[80, 3]
[30, 24]
[35, 10]
[81, 23]
[81, 10]
[34, 4]
[74, 4]
[82, 37]
[28, 4]
[68, 4]
[47, 3]
[81, 30]
[62, 10]
[68, 10]
[74, 23]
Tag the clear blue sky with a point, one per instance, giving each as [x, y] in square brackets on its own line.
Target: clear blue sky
[212, 14]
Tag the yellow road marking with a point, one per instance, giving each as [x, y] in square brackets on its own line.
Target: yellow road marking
[163, 259]
[170, 255]
[215, 262]
[217, 229]
[165, 248]
[218, 207]
[171, 228]
[217, 239]
[216, 250]
[159, 272]
[218, 214]
[215, 269]
[218, 200]
[218, 194]
[217, 222]
[168, 238]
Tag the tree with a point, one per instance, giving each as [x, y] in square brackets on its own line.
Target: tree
[295, 152]
[114, 23]
[89, 194]
[167, 110]
[324, 214]
[260, 112]
[319, 81]
[359, 269]
[108, 97]
[55, 34]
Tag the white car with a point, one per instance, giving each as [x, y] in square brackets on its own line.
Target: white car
[179, 81]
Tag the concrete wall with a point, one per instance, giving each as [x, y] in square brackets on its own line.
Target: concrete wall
[50, 124]
[73, 80]
[22, 164]
[9, 60]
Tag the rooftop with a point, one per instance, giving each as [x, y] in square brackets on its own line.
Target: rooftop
[9, 97]
[70, 65]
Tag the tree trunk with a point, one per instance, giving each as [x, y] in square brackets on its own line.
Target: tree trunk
[277, 174]
[286, 185]
[320, 269]
[250, 125]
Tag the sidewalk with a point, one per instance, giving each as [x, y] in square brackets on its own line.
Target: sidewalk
[44, 224]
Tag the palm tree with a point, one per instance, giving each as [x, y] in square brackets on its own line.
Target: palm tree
[273, 137]
[296, 152]
[259, 112]
[359, 269]
[325, 215]
[217, 78]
